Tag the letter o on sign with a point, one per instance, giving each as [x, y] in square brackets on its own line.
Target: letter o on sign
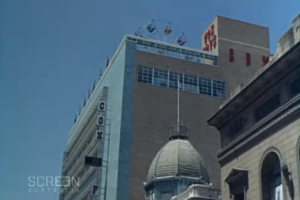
[100, 120]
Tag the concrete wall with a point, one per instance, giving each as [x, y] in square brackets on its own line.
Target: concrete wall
[155, 112]
[285, 140]
[243, 38]
[120, 81]
[243, 32]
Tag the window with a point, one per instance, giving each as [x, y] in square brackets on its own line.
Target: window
[238, 183]
[190, 83]
[166, 195]
[295, 87]
[218, 89]
[205, 86]
[145, 74]
[160, 77]
[271, 178]
[267, 108]
[173, 79]
[237, 127]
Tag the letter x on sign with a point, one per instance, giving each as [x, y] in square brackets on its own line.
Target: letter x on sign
[99, 135]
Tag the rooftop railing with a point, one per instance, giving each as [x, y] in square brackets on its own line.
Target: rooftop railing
[174, 51]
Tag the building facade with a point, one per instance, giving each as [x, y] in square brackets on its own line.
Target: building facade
[260, 129]
[139, 86]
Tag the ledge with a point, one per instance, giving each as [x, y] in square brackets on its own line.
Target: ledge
[257, 130]
[291, 54]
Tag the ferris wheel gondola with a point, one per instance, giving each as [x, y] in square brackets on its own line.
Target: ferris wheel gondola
[168, 30]
[151, 27]
[181, 40]
[158, 30]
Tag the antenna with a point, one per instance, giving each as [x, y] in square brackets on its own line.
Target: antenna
[178, 131]
[178, 103]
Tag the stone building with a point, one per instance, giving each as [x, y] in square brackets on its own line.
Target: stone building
[259, 126]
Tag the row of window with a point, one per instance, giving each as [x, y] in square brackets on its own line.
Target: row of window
[175, 52]
[190, 83]
[265, 109]
[274, 102]
[80, 175]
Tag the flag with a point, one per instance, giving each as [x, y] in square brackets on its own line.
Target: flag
[75, 119]
[107, 61]
[100, 73]
[94, 85]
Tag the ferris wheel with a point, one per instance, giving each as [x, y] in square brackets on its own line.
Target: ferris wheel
[162, 31]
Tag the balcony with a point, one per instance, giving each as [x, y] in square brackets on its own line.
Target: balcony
[199, 192]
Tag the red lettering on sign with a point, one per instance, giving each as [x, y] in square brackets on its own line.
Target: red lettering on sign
[210, 39]
[248, 59]
[231, 55]
[265, 60]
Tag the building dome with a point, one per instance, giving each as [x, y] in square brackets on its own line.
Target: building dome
[178, 158]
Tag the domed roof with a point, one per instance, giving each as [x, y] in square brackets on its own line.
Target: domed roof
[178, 158]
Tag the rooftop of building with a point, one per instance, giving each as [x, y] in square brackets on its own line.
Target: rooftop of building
[287, 52]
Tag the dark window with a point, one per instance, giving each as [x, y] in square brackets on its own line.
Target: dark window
[160, 77]
[295, 87]
[145, 74]
[268, 107]
[205, 86]
[271, 177]
[238, 183]
[173, 80]
[237, 127]
[190, 83]
[166, 195]
[218, 89]
[239, 196]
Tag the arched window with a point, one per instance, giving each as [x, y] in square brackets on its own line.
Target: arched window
[271, 178]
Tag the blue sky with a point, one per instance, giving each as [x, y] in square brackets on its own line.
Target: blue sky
[50, 52]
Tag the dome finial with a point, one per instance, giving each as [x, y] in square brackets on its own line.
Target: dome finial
[179, 131]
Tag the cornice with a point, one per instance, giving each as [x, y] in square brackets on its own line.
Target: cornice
[169, 181]
[275, 65]
[260, 128]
